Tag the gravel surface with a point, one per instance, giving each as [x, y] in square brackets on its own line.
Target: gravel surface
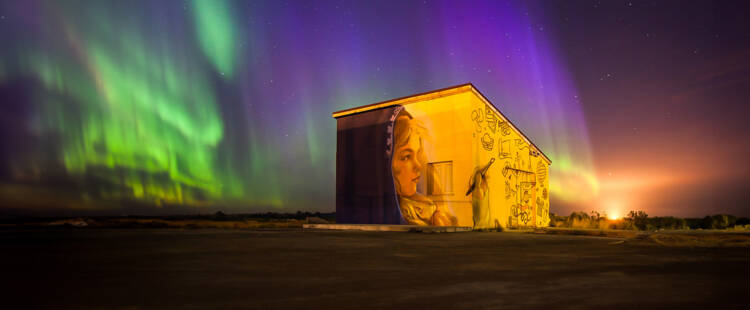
[292, 269]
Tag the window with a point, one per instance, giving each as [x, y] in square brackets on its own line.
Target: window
[440, 178]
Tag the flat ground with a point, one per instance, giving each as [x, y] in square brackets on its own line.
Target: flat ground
[217, 269]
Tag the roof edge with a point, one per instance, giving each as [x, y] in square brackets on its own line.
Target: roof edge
[435, 94]
[484, 98]
[391, 102]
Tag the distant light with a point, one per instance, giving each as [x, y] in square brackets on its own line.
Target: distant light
[614, 208]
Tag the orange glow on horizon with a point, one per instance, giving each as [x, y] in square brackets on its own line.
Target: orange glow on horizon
[614, 209]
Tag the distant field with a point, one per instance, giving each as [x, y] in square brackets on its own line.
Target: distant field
[219, 220]
[685, 238]
[92, 268]
[699, 238]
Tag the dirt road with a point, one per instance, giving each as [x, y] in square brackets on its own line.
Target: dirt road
[218, 269]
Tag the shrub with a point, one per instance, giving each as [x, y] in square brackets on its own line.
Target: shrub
[639, 219]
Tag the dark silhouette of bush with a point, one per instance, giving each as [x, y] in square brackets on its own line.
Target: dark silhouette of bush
[639, 219]
[719, 221]
[667, 222]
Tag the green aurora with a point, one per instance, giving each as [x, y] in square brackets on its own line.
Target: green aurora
[135, 116]
[172, 107]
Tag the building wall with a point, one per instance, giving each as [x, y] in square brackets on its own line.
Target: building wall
[466, 134]
[517, 179]
[449, 142]
[475, 167]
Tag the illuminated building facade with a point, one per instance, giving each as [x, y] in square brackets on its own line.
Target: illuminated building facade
[446, 157]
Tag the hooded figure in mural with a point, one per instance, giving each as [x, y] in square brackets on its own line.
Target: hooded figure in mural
[380, 161]
[408, 163]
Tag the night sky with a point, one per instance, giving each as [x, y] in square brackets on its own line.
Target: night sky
[163, 107]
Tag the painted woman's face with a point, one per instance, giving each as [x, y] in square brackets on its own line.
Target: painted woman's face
[406, 167]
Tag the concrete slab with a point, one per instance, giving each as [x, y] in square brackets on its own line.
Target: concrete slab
[380, 227]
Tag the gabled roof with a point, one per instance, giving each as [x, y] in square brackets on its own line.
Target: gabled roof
[432, 95]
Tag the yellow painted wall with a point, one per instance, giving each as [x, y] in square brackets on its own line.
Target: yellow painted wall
[466, 131]
[518, 178]
[449, 139]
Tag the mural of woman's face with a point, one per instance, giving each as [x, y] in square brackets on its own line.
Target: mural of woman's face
[406, 166]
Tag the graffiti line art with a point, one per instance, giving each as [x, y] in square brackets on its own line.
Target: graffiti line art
[492, 125]
[504, 128]
[539, 205]
[505, 169]
[487, 142]
[491, 119]
[504, 149]
[525, 217]
[526, 175]
[476, 116]
[521, 145]
[527, 188]
[529, 167]
[522, 190]
[509, 191]
[522, 213]
[541, 172]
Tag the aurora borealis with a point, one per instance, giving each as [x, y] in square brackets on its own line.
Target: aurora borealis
[178, 106]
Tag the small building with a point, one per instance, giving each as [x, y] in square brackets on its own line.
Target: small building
[446, 158]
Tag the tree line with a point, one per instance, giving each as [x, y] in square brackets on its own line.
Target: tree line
[639, 220]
